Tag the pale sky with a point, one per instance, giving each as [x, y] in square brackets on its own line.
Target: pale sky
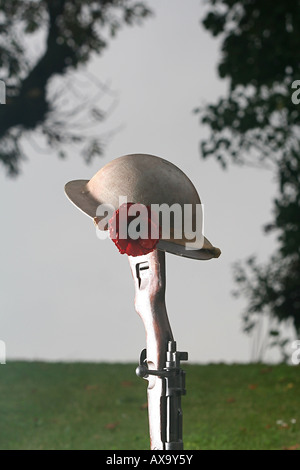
[65, 294]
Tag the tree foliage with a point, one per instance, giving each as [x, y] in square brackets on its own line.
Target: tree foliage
[73, 31]
[257, 123]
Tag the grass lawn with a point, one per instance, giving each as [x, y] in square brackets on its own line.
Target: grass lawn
[103, 406]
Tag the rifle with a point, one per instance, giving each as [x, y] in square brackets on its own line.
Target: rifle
[160, 361]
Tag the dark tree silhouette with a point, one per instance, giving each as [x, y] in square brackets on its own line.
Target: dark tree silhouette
[74, 30]
[258, 123]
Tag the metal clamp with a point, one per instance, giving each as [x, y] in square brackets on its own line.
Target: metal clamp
[174, 387]
[172, 363]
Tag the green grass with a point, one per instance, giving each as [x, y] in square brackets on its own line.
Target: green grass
[102, 406]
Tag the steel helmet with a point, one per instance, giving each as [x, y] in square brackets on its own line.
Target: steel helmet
[143, 179]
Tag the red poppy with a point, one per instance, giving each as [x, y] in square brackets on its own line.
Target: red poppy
[134, 238]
